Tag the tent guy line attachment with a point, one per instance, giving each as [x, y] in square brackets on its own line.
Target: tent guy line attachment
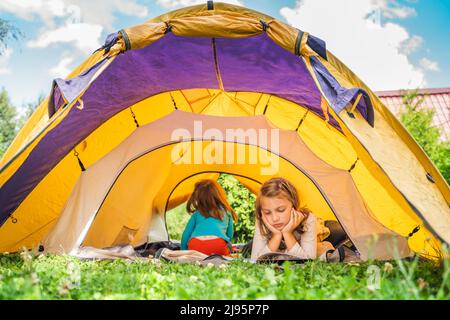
[302, 119]
[173, 100]
[416, 229]
[430, 177]
[80, 106]
[76, 154]
[353, 165]
[134, 118]
[267, 105]
[168, 27]
[264, 25]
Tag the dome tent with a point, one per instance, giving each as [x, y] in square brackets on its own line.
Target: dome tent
[88, 168]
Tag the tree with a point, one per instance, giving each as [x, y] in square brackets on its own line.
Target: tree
[29, 109]
[242, 201]
[8, 32]
[7, 121]
[418, 121]
[7, 111]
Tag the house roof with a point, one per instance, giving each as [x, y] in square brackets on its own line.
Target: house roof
[397, 93]
[437, 99]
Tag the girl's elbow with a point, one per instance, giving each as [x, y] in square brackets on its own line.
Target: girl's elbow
[312, 254]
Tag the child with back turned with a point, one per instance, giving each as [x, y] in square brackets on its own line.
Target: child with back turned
[210, 228]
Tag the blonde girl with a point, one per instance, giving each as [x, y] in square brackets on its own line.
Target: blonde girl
[283, 225]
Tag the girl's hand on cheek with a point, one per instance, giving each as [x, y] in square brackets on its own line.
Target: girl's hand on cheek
[296, 218]
[271, 228]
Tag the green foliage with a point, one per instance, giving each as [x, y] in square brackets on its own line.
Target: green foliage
[7, 122]
[176, 220]
[23, 276]
[8, 32]
[29, 109]
[418, 121]
[10, 121]
[241, 200]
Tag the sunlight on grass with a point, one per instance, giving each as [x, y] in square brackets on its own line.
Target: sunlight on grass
[23, 276]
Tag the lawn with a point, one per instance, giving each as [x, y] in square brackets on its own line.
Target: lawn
[23, 276]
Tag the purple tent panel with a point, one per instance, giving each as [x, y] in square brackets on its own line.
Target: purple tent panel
[318, 45]
[258, 64]
[339, 96]
[65, 91]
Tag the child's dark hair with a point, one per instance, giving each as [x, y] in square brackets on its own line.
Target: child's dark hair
[210, 200]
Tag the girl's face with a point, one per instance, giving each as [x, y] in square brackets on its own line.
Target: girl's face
[276, 210]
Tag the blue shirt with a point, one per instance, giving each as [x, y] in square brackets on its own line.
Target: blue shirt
[198, 226]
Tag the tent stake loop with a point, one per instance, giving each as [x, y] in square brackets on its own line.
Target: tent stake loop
[264, 25]
[416, 229]
[302, 119]
[353, 165]
[267, 105]
[168, 27]
[76, 154]
[134, 118]
[173, 101]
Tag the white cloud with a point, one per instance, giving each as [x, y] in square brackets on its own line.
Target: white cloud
[411, 44]
[103, 11]
[4, 60]
[89, 11]
[429, 65]
[391, 9]
[77, 22]
[46, 10]
[184, 3]
[377, 52]
[61, 70]
[85, 37]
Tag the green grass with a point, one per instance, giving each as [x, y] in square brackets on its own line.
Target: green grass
[60, 277]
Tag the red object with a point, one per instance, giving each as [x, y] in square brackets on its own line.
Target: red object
[209, 246]
[235, 248]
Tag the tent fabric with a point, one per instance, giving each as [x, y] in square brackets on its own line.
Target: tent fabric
[55, 188]
[193, 59]
[138, 78]
[64, 91]
[403, 170]
[338, 96]
[130, 162]
[318, 45]
[347, 78]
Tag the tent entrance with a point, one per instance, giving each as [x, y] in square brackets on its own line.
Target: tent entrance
[152, 184]
[176, 218]
[123, 196]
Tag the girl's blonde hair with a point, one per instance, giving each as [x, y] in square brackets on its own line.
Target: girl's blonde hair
[276, 188]
[210, 200]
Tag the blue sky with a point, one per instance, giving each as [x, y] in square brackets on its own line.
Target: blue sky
[389, 44]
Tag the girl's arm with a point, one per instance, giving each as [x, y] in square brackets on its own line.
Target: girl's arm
[230, 229]
[188, 231]
[307, 249]
[274, 243]
[260, 244]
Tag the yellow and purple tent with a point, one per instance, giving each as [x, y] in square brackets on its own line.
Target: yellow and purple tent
[94, 164]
